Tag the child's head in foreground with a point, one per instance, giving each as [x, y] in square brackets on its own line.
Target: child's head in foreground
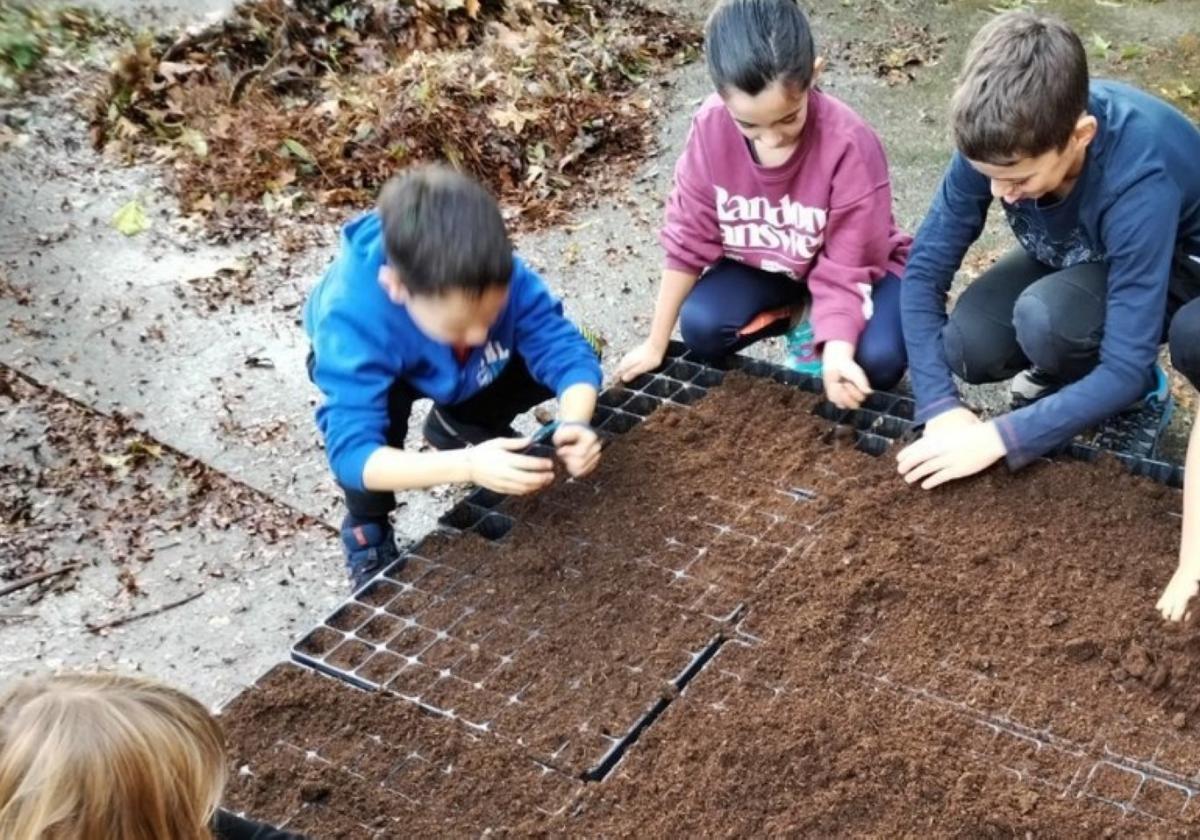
[107, 757]
[449, 258]
[762, 59]
[1020, 109]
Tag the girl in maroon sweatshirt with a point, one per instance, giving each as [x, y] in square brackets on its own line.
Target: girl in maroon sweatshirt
[782, 208]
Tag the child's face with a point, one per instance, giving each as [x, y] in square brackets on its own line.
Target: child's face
[454, 318]
[1031, 178]
[772, 120]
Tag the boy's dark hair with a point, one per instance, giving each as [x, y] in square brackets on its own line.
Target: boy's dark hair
[442, 231]
[1023, 87]
[749, 44]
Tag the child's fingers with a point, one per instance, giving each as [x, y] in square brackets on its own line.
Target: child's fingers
[857, 379]
[530, 464]
[513, 444]
[527, 482]
[834, 393]
[926, 469]
[852, 395]
[623, 367]
[913, 454]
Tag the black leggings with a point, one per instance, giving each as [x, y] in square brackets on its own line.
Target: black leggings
[1021, 313]
[511, 393]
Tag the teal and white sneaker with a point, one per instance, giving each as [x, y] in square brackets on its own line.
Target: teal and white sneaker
[802, 356]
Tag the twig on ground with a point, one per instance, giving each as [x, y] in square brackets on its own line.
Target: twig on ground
[30, 580]
[119, 622]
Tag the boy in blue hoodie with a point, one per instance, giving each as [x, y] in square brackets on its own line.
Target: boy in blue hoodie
[427, 299]
[1100, 185]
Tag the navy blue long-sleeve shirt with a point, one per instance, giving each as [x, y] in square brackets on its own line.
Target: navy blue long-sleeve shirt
[1136, 207]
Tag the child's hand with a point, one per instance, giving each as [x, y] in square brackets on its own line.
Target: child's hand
[498, 465]
[579, 448]
[950, 421]
[946, 455]
[641, 359]
[846, 386]
[1174, 601]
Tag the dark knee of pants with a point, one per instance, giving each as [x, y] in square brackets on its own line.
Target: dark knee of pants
[884, 366]
[1184, 340]
[1044, 346]
[969, 360]
[703, 329]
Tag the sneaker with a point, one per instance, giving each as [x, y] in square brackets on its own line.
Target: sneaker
[444, 433]
[1136, 430]
[802, 356]
[1031, 385]
[370, 547]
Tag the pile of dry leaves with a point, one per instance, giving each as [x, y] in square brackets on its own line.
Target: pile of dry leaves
[291, 105]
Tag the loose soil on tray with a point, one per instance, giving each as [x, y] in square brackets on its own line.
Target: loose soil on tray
[981, 660]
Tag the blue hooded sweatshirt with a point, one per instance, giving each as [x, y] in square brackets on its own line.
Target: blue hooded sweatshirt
[363, 343]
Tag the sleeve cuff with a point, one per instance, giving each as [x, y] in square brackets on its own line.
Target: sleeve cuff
[926, 413]
[676, 264]
[579, 375]
[349, 468]
[837, 327]
[1014, 454]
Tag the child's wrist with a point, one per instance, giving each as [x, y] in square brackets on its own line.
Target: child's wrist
[463, 465]
[659, 341]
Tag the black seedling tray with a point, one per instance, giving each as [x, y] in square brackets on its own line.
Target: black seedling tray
[884, 419]
[357, 643]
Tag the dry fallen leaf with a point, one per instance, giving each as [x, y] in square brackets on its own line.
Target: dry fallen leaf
[131, 219]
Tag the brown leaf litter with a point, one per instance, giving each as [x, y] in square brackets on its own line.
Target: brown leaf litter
[286, 108]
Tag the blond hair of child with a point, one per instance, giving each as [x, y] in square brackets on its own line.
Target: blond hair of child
[102, 757]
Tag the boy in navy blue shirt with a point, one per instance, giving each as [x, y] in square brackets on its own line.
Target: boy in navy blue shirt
[427, 299]
[1100, 184]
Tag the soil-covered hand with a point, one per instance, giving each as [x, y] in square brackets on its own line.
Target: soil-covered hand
[579, 448]
[641, 359]
[498, 465]
[846, 385]
[1179, 592]
[947, 455]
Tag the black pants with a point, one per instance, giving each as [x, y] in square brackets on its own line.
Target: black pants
[512, 392]
[730, 295]
[1021, 313]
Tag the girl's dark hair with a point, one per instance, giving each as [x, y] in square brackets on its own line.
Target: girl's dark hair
[751, 43]
[443, 232]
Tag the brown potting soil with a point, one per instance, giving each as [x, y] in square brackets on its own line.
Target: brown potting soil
[980, 660]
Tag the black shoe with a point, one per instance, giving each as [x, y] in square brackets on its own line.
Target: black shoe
[444, 433]
[370, 547]
[1031, 385]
